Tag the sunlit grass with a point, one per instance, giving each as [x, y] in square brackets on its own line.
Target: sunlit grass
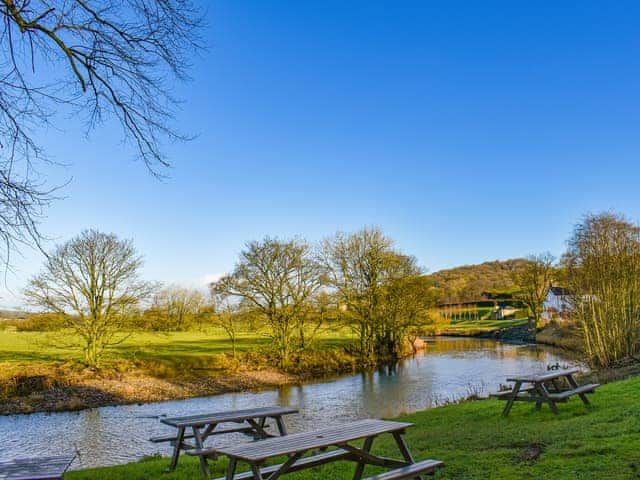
[470, 327]
[63, 346]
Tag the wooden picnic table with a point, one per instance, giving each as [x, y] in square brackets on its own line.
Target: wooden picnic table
[549, 388]
[43, 468]
[205, 425]
[340, 438]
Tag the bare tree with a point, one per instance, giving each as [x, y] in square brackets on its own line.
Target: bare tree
[93, 281]
[533, 279]
[278, 279]
[96, 59]
[227, 316]
[177, 305]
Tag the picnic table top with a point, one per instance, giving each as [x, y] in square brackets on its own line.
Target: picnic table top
[537, 378]
[42, 468]
[302, 442]
[228, 416]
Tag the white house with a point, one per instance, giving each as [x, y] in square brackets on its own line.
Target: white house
[557, 303]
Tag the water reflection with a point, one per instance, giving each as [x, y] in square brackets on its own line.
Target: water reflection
[450, 368]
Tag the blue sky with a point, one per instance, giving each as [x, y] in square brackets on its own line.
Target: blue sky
[468, 131]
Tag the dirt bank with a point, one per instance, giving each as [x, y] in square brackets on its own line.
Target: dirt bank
[135, 388]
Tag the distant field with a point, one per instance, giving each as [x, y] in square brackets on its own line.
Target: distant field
[191, 347]
[164, 347]
[472, 327]
[471, 321]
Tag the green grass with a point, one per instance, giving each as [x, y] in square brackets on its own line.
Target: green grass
[472, 327]
[164, 347]
[476, 442]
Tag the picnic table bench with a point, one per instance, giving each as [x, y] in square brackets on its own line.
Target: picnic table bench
[549, 388]
[202, 426]
[341, 439]
[44, 468]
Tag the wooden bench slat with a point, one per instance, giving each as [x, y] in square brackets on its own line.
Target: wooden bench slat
[301, 442]
[506, 393]
[236, 416]
[589, 388]
[45, 468]
[169, 438]
[424, 467]
[307, 462]
[544, 377]
[172, 437]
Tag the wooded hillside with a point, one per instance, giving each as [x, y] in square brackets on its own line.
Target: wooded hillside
[469, 282]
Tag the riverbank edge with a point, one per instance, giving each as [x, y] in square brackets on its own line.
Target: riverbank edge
[137, 388]
[56, 389]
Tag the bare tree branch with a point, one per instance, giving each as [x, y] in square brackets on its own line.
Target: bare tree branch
[95, 59]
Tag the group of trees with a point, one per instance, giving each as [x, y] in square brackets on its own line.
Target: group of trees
[370, 285]
[93, 282]
[601, 272]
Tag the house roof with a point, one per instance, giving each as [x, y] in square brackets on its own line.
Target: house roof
[560, 291]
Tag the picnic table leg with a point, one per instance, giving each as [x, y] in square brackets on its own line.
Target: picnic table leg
[177, 446]
[281, 428]
[208, 431]
[574, 384]
[258, 428]
[402, 446]
[512, 398]
[357, 475]
[204, 465]
[542, 390]
[257, 474]
[404, 450]
[231, 468]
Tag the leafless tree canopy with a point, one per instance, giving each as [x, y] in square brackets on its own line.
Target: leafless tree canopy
[93, 281]
[177, 305]
[278, 279]
[90, 58]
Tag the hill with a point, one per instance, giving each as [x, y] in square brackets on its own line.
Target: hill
[469, 282]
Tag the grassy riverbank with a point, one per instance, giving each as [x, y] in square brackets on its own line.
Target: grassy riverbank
[476, 442]
[40, 371]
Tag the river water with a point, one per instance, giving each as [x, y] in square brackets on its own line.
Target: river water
[450, 368]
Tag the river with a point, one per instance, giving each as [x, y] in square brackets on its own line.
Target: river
[449, 369]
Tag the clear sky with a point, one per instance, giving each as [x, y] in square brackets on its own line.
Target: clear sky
[468, 131]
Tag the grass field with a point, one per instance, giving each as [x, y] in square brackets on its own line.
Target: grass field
[477, 443]
[42, 371]
[164, 347]
[473, 327]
